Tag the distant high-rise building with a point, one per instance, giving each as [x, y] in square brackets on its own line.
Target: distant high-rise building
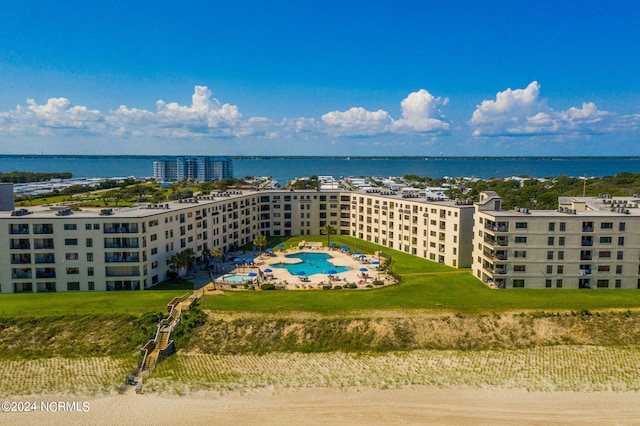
[200, 169]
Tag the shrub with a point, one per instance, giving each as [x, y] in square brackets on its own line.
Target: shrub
[352, 285]
[378, 282]
[268, 286]
[337, 287]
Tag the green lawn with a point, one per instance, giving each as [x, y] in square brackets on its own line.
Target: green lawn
[87, 303]
[432, 286]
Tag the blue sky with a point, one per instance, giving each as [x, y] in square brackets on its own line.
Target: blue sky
[320, 78]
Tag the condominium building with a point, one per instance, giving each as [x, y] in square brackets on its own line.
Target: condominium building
[57, 249]
[440, 231]
[200, 169]
[588, 242]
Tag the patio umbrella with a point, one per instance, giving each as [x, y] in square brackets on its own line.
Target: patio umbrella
[356, 252]
[237, 260]
[248, 260]
[332, 244]
[269, 250]
[346, 248]
[252, 274]
[332, 271]
[363, 269]
[267, 270]
[280, 245]
[362, 255]
[375, 262]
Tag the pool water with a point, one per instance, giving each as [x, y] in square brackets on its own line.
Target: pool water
[312, 263]
[236, 278]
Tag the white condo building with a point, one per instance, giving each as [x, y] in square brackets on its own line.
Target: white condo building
[587, 242]
[57, 249]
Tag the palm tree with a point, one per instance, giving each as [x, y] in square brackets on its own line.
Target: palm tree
[260, 241]
[328, 230]
[216, 254]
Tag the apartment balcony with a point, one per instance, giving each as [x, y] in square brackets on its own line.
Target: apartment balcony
[121, 243]
[42, 229]
[21, 244]
[45, 258]
[121, 257]
[122, 271]
[21, 273]
[45, 273]
[20, 259]
[18, 229]
[120, 228]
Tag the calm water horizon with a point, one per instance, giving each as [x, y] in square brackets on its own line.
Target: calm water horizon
[283, 169]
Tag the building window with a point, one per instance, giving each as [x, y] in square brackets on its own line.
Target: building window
[561, 255]
[519, 268]
[605, 240]
[70, 241]
[518, 283]
[604, 254]
[89, 242]
[73, 271]
[606, 225]
[602, 283]
[521, 225]
[560, 241]
[559, 283]
[547, 283]
[552, 227]
[520, 253]
[620, 241]
[70, 226]
[521, 240]
[563, 226]
[71, 256]
[73, 286]
[91, 285]
[618, 269]
[89, 257]
[550, 255]
[621, 226]
[618, 283]
[96, 226]
[87, 226]
[560, 269]
[90, 271]
[620, 255]
[550, 241]
[549, 269]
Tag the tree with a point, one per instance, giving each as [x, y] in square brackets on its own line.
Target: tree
[260, 241]
[328, 230]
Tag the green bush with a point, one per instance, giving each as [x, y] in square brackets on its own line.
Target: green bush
[268, 286]
[337, 287]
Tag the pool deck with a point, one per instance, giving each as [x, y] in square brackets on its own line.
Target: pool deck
[282, 278]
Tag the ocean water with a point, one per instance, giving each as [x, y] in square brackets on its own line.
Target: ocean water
[283, 169]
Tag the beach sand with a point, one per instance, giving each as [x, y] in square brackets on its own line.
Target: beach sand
[415, 405]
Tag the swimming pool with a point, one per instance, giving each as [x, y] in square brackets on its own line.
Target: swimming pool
[236, 278]
[311, 264]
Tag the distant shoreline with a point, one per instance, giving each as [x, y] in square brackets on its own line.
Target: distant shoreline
[336, 157]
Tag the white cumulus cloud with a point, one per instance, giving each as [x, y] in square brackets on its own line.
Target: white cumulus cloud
[420, 114]
[521, 112]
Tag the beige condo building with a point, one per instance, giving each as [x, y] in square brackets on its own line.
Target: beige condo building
[588, 242]
[46, 249]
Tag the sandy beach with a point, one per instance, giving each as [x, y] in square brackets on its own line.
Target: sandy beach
[354, 406]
